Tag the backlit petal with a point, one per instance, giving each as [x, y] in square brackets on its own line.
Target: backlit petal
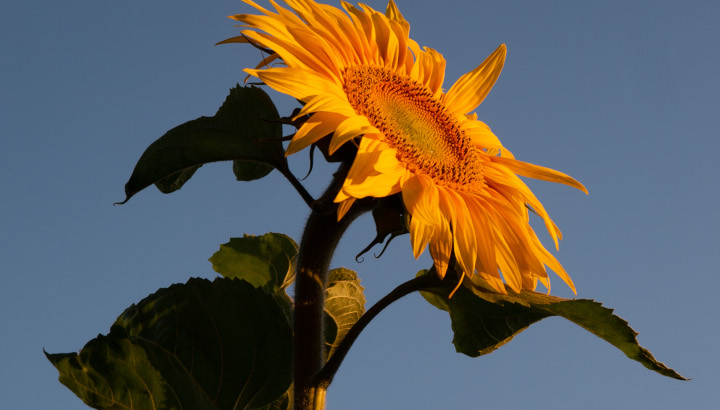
[472, 88]
[317, 126]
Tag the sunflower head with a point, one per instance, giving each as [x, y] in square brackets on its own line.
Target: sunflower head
[363, 81]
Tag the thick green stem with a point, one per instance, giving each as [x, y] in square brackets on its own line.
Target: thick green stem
[320, 239]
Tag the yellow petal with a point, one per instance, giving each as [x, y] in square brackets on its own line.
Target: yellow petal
[364, 26]
[393, 13]
[387, 161]
[437, 62]
[539, 172]
[368, 154]
[513, 189]
[352, 127]
[376, 186]
[317, 126]
[441, 247]
[554, 264]
[464, 239]
[481, 135]
[298, 83]
[238, 39]
[329, 103]
[472, 88]
[546, 283]
[362, 179]
[326, 29]
[447, 207]
[420, 196]
[344, 207]
[487, 279]
[420, 235]
[321, 52]
[386, 40]
[486, 259]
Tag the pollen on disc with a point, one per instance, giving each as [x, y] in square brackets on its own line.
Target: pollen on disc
[427, 138]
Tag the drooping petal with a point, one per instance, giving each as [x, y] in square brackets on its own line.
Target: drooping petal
[464, 240]
[420, 235]
[539, 172]
[420, 196]
[486, 258]
[441, 247]
[491, 280]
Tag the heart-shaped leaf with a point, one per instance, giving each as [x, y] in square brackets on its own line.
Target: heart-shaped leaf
[113, 373]
[199, 345]
[245, 129]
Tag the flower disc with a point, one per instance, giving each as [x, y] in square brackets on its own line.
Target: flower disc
[427, 138]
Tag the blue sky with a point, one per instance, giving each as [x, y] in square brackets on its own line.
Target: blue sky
[623, 96]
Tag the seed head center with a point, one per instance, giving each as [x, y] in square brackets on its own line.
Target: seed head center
[427, 138]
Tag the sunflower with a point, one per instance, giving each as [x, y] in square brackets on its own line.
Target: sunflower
[363, 80]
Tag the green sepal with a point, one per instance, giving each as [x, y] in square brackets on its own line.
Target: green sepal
[198, 345]
[245, 129]
[483, 320]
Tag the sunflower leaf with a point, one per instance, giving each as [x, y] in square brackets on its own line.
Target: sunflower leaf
[344, 304]
[250, 170]
[265, 261]
[483, 321]
[282, 403]
[199, 345]
[244, 130]
[173, 182]
[111, 373]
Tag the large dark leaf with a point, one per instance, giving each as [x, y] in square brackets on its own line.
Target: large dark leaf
[244, 129]
[482, 320]
[283, 403]
[113, 373]
[199, 345]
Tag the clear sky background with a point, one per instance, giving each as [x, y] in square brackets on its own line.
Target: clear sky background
[622, 95]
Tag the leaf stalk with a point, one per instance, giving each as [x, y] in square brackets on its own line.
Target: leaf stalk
[326, 375]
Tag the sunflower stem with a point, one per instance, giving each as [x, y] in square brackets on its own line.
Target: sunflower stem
[319, 241]
[326, 375]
